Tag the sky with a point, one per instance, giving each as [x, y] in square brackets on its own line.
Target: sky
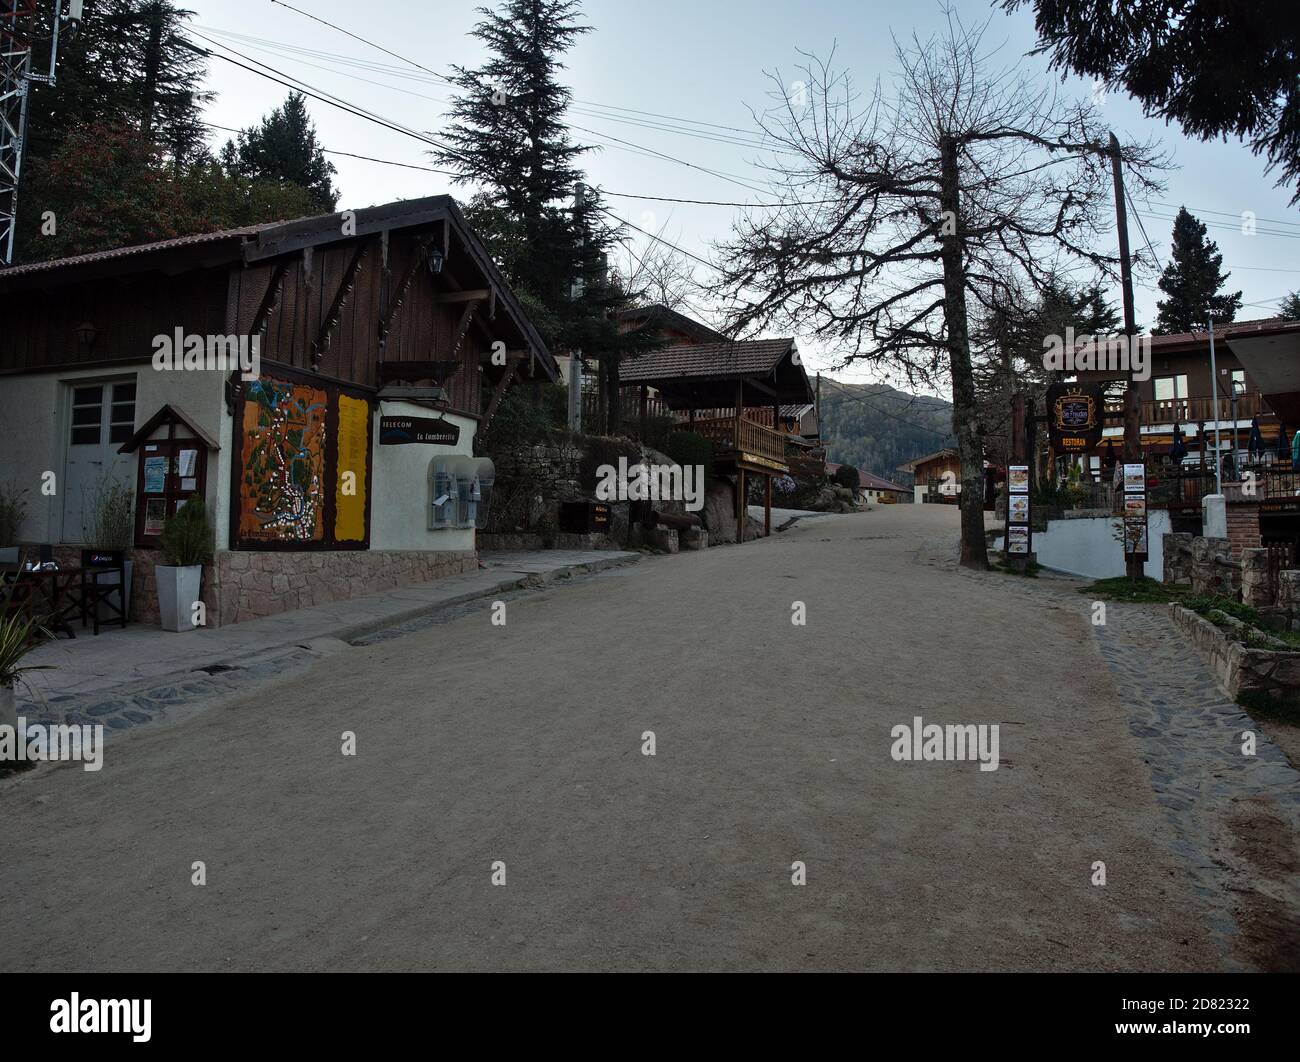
[678, 78]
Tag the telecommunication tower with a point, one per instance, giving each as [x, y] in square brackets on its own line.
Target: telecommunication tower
[18, 44]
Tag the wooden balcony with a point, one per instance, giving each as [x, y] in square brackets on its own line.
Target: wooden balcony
[1191, 410]
[750, 445]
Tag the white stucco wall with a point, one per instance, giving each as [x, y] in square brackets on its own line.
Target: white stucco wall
[399, 507]
[35, 410]
[1087, 546]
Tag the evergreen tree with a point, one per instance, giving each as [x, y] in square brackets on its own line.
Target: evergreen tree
[284, 150]
[126, 63]
[1192, 281]
[1290, 308]
[507, 135]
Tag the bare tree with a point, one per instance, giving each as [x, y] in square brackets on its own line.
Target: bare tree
[962, 184]
[660, 274]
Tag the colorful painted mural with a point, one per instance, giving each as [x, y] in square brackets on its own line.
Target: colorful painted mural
[282, 495]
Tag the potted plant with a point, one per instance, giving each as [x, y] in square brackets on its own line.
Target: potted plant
[19, 635]
[112, 529]
[186, 544]
[13, 507]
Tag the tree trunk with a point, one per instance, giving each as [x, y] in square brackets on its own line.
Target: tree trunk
[965, 416]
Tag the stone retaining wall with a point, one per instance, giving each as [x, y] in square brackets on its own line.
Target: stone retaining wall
[248, 584]
[1272, 667]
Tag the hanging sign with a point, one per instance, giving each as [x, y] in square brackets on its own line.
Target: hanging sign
[1074, 417]
[398, 431]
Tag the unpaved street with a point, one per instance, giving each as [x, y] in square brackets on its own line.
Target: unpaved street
[523, 744]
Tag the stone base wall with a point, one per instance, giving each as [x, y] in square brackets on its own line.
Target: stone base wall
[1214, 573]
[1177, 553]
[525, 540]
[1271, 668]
[249, 584]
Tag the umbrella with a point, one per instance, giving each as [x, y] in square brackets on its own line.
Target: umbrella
[1179, 448]
[1256, 443]
[1283, 443]
[1108, 459]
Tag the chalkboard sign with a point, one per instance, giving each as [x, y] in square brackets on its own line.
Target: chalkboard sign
[398, 431]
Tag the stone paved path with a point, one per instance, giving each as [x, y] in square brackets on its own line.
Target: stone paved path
[1191, 732]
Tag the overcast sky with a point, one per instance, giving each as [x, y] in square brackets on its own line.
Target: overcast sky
[695, 63]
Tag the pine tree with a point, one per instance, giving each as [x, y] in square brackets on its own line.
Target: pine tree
[1192, 281]
[284, 150]
[127, 63]
[1290, 307]
[508, 136]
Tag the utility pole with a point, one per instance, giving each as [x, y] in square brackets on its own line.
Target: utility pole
[17, 76]
[1132, 418]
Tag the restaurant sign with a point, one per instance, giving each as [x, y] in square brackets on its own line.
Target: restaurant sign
[398, 431]
[1074, 417]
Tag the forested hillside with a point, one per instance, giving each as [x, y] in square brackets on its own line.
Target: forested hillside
[876, 428]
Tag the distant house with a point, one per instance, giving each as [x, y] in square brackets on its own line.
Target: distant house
[936, 477]
[876, 489]
[1255, 381]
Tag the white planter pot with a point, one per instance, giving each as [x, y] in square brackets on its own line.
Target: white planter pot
[8, 706]
[178, 589]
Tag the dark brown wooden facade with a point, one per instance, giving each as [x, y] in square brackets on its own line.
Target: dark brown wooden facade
[410, 282]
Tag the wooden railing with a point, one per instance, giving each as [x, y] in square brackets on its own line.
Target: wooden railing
[740, 435]
[1192, 410]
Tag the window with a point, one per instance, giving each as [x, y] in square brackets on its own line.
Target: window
[103, 412]
[1238, 381]
[87, 415]
[1170, 388]
[121, 423]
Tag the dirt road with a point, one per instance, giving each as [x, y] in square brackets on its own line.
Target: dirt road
[523, 745]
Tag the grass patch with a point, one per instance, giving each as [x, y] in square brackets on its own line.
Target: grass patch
[1271, 709]
[1143, 590]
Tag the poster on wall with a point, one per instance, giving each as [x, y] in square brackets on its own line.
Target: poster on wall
[282, 451]
[353, 449]
[1135, 478]
[1135, 537]
[1018, 479]
[1017, 540]
[155, 513]
[1018, 509]
[155, 475]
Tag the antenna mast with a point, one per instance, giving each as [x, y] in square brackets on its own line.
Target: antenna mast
[17, 75]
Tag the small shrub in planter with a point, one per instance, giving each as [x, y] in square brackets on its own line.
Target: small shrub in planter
[13, 507]
[186, 544]
[19, 635]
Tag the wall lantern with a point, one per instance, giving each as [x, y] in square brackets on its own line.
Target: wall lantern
[436, 259]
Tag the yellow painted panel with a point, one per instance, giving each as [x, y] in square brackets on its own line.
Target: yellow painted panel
[354, 455]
